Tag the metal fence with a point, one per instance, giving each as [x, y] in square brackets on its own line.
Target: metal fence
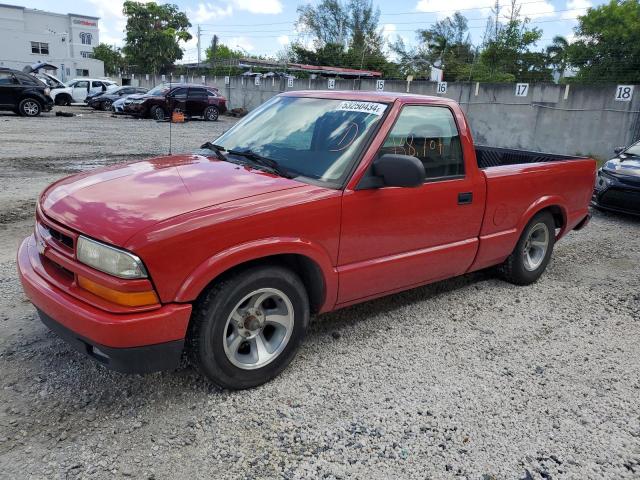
[565, 119]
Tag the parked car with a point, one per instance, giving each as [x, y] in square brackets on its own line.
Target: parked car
[192, 100]
[23, 94]
[618, 182]
[98, 93]
[104, 100]
[77, 90]
[314, 201]
[118, 105]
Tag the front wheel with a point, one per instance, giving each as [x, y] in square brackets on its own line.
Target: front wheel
[106, 105]
[157, 113]
[529, 259]
[211, 113]
[29, 107]
[246, 329]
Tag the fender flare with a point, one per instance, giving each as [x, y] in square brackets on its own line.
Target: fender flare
[223, 261]
[542, 203]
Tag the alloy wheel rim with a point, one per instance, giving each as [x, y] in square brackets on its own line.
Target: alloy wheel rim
[258, 328]
[31, 108]
[535, 247]
[212, 114]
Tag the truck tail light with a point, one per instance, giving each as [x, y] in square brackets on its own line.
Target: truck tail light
[126, 299]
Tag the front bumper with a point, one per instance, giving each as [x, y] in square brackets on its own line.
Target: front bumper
[620, 195]
[129, 342]
[137, 109]
[48, 104]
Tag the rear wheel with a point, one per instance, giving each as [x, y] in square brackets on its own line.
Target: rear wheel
[211, 113]
[247, 329]
[157, 113]
[533, 251]
[29, 107]
[106, 105]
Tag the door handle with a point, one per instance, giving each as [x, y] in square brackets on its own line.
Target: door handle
[465, 198]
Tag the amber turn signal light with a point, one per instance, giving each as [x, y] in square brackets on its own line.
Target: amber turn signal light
[126, 299]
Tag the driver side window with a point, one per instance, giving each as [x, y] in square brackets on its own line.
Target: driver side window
[429, 133]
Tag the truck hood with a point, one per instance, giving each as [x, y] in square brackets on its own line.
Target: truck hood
[113, 204]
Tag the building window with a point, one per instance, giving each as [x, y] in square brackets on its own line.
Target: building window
[40, 48]
[86, 54]
[86, 38]
[81, 72]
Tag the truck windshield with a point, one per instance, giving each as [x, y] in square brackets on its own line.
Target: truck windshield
[317, 138]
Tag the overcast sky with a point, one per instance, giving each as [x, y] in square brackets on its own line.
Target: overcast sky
[264, 26]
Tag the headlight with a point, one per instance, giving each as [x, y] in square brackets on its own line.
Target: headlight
[603, 180]
[47, 91]
[109, 260]
[137, 101]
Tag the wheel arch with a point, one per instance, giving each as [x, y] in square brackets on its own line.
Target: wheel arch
[554, 204]
[59, 97]
[309, 262]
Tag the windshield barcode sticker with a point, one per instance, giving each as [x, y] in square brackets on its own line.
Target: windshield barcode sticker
[364, 107]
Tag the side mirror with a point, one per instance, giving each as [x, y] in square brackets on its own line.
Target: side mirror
[399, 170]
[618, 150]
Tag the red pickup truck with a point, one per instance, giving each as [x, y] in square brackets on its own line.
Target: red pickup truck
[314, 201]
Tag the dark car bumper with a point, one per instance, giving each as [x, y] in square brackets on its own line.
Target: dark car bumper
[619, 194]
[48, 104]
[137, 109]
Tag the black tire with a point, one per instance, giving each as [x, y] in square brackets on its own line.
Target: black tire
[29, 107]
[157, 113]
[516, 269]
[209, 329]
[106, 105]
[211, 113]
[63, 100]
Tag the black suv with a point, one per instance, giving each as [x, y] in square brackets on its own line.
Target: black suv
[22, 93]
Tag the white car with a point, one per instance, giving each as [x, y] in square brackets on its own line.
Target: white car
[76, 90]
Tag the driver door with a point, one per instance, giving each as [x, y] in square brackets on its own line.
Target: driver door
[393, 238]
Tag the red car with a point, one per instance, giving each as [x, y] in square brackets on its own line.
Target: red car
[314, 201]
[193, 100]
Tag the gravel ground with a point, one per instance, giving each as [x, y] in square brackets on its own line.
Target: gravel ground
[468, 378]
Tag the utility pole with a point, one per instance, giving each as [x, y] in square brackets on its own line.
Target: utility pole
[199, 32]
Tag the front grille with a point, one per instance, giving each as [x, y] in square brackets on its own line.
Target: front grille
[60, 237]
[628, 200]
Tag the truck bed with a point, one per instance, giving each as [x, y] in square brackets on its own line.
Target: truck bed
[519, 183]
[497, 157]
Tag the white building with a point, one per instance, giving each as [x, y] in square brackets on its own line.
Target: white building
[29, 36]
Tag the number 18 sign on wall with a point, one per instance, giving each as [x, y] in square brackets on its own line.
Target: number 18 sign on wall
[624, 93]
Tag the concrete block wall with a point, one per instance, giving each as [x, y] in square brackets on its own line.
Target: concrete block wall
[584, 120]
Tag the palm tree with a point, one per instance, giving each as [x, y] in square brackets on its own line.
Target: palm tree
[558, 54]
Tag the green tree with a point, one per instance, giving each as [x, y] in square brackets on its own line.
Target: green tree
[153, 35]
[607, 48]
[445, 45]
[344, 35]
[509, 51]
[558, 54]
[221, 53]
[111, 57]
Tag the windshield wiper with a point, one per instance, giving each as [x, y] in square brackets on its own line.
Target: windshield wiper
[217, 149]
[258, 159]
